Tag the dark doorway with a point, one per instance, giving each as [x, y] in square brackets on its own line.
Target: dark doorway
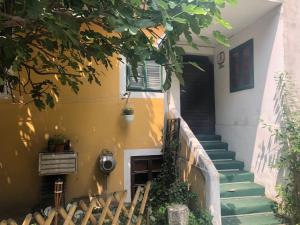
[197, 95]
[144, 168]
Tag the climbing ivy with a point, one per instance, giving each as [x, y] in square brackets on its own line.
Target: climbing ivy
[288, 135]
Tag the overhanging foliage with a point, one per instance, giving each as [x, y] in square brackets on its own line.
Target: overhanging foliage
[40, 39]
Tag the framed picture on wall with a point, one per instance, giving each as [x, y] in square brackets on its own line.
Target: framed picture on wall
[242, 67]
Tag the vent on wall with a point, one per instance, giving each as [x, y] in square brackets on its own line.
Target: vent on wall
[57, 163]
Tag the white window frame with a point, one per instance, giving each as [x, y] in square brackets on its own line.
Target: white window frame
[128, 153]
[136, 94]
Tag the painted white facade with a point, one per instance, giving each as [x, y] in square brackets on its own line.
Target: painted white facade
[239, 114]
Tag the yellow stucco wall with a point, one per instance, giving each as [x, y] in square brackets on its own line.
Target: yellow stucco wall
[92, 120]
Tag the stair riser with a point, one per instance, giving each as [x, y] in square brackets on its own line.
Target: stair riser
[237, 178]
[242, 193]
[229, 209]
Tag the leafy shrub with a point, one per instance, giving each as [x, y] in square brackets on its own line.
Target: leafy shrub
[168, 189]
[288, 135]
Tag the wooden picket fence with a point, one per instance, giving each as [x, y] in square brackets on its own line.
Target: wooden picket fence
[112, 206]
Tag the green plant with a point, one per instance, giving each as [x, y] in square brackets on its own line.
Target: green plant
[81, 34]
[57, 139]
[288, 135]
[128, 111]
[168, 189]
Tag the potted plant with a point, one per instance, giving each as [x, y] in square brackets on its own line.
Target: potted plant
[58, 143]
[128, 114]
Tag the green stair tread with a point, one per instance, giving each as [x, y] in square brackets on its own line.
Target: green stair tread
[221, 154]
[235, 176]
[241, 189]
[251, 219]
[207, 145]
[229, 164]
[246, 205]
[208, 137]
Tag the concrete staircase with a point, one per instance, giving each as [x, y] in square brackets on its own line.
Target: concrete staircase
[242, 200]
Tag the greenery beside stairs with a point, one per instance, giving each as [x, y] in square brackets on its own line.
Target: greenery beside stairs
[242, 201]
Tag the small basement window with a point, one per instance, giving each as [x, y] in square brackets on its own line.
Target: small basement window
[149, 78]
[3, 91]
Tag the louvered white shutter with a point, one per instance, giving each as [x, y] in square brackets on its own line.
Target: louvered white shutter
[153, 76]
[149, 78]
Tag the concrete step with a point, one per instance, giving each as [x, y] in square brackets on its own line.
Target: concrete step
[220, 154]
[245, 205]
[251, 219]
[207, 145]
[236, 176]
[229, 165]
[241, 190]
[204, 137]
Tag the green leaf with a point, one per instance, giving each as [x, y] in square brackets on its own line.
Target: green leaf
[205, 39]
[195, 25]
[161, 4]
[49, 100]
[136, 2]
[193, 9]
[224, 23]
[179, 20]
[169, 27]
[39, 103]
[220, 38]
[232, 2]
[196, 65]
[144, 23]
[220, 2]
[172, 5]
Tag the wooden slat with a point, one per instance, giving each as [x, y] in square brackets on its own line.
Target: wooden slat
[143, 205]
[11, 222]
[88, 212]
[106, 216]
[70, 214]
[117, 197]
[50, 217]
[101, 203]
[38, 217]
[56, 161]
[104, 212]
[3, 222]
[57, 171]
[64, 215]
[133, 204]
[58, 166]
[85, 209]
[27, 219]
[45, 156]
[118, 211]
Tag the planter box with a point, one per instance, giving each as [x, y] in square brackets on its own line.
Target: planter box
[57, 163]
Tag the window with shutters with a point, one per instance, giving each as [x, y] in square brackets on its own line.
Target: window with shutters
[149, 78]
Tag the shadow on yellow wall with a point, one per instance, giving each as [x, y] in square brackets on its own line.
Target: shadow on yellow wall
[92, 120]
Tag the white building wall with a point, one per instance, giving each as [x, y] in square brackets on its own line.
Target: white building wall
[238, 114]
